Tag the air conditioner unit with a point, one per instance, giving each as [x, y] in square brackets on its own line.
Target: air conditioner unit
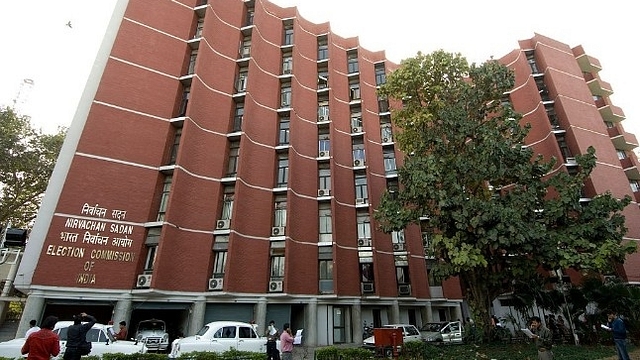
[322, 118]
[215, 284]
[608, 279]
[367, 287]
[245, 52]
[222, 224]
[275, 286]
[571, 160]
[144, 281]
[286, 71]
[358, 162]
[356, 129]
[277, 231]
[323, 154]
[398, 247]
[364, 242]
[385, 140]
[404, 289]
[324, 192]
[360, 201]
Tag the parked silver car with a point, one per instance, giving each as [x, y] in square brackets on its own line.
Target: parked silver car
[154, 334]
[445, 332]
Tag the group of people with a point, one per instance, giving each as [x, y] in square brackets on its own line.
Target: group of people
[286, 342]
[42, 343]
[543, 336]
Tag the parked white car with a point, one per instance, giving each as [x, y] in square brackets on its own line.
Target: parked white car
[409, 333]
[221, 336]
[446, 332]
[154, 334]
[102, 342]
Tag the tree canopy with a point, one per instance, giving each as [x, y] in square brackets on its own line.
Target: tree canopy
[496, 211]
[27, 156]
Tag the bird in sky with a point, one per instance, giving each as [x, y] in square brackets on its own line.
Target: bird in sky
[69, 25]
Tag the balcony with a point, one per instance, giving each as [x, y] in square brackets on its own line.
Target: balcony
[610, 113]
[622, 140]
[588, 64]
[597, 86]
[630, 167]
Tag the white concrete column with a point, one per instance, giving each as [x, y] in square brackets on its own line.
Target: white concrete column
[197, 312]
[32, 310]
[394, 316]
[122, 311]
[356, 320]
[310, 333]
[260, 315]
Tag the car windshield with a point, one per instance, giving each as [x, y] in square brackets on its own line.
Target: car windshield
[203, 331]
[151, 325]
[433, 327]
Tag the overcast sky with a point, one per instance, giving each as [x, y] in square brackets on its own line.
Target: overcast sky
[38, 45]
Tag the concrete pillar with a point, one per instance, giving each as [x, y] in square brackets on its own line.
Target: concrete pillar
[260, 315]
[356, 320]
[122, 311]
[197, 312]
[457, 312]
[32, 310]
[426, 313]
[394, 316]
[310, 333]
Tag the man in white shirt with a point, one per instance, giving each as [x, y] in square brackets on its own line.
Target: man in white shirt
[32, 329]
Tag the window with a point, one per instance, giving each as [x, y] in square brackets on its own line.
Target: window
[364, 226]
[532, 62]
[389, 162]
[323, 79]
[324, 178]
[323, 48]
[241, 83]
[234, 155]
[288, 34]
[192, 62]
[381, 77]
[186, 94]
[250, 14]
[635, 186]
[246, 332]
[432, 279]
[176, 145]
[326, 269]
[283, 171]
[386, 134]
[361, 187]
[402, 274]
[219, 261]
[285, 95]
[245, 47]
[283, 131]
[358, 153]
[277, 267]
[199, 27]
[164, 198]
[287, 63]
[323, 111]
[621, 154]
[366, 272]
[356, 121]
[397, 237]
[151, 257]
[227, 204]
[553, 117]
[564, 148]
[383, 104]
[280, 213]
[237, 117]
[352, 62]
[324, 217]
[323, 144]
[354, 90]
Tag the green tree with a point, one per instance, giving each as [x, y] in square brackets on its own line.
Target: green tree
[27, 156]
[496, 212]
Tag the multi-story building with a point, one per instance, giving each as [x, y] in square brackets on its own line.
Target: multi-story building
[225, 162]
[559, 92]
